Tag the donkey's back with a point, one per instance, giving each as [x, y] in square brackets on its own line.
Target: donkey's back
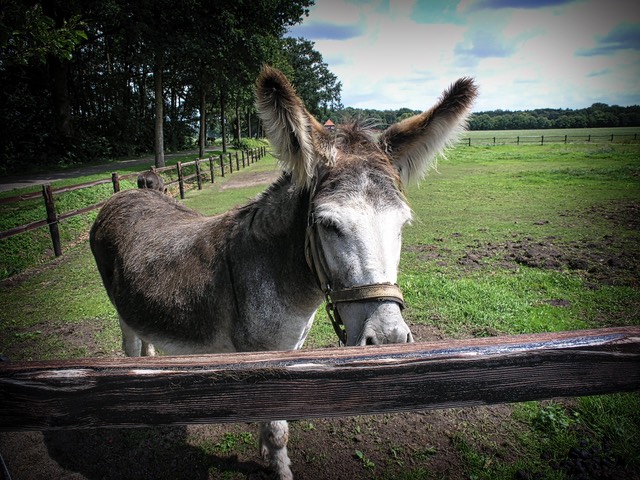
[155, 258]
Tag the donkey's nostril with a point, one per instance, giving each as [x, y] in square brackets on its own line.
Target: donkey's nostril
[371, 341]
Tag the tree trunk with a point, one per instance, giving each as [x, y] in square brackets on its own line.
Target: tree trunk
[238, 134]
[223, 128]
[249, 123]
[59, 81]
[203, 118]
[159, 115]
[174, 120]
[59, 71]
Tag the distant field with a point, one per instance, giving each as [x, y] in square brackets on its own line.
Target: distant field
[555, 135]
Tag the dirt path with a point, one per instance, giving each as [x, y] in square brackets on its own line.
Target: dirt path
[21, 181]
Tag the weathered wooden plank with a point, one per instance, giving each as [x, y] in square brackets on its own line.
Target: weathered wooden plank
[23, 228]
[80, 186]
[316, 383]
[80, 211]
[20, 198]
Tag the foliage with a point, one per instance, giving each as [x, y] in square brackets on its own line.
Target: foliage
[599, 115]
[27, 35]
[78, 77]
[596, 116]
[316, 85]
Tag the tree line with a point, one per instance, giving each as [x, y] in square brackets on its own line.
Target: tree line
[89, 79]
[597, 115]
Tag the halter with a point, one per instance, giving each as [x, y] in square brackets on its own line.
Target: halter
[318, 265]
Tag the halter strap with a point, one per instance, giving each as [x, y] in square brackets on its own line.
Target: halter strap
[318, 265]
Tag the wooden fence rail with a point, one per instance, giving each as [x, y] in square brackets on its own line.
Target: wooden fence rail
[53, 218]
[123, 392]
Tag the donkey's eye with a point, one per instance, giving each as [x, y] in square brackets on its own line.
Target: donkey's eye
[333, 228]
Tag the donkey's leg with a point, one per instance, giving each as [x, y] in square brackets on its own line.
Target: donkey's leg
[273, 445]
[131, 343]
[147, 349]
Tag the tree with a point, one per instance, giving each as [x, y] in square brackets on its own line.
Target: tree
[316, 85]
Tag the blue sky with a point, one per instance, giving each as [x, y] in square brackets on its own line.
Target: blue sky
[524, 54]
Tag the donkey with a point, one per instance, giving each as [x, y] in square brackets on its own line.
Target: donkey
[252, 278]
[150, 179]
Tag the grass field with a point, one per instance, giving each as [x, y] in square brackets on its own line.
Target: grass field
[505, 240]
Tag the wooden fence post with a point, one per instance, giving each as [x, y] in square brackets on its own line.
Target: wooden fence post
[230, 163]
[198, 177]
[115, 179]
[180, 180]
[52, 218]
[211, 168]
[237, 162]
[542, 140]
[242, 152]
[221, 165]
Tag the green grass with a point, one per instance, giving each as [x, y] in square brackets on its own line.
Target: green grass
[485, 197]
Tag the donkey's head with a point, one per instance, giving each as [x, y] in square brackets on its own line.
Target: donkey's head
[354, 181]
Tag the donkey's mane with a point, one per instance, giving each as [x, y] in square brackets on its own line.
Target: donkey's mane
[356, 146]
[272, 210]
[355, 134]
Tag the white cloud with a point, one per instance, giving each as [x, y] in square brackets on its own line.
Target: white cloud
[524, 55]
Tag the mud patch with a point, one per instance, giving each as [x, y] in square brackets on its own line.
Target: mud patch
[607, 261]
[611, 259]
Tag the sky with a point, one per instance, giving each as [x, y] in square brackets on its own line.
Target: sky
[524, 54]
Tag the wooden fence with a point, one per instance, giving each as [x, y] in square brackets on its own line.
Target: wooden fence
[125, 392]
[546, 139]
[205, 167]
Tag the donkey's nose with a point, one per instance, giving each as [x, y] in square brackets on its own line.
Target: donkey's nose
[399, 334]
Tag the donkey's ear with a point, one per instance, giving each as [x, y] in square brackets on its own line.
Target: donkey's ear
[414, 143]
[289, 126]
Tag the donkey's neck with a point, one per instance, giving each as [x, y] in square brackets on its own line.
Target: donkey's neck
[265, 256]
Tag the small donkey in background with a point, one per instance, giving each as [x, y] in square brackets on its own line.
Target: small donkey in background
[151, 180]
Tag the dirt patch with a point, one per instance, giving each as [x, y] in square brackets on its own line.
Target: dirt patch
[251, 179]
[377, 446]
[610, 260]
